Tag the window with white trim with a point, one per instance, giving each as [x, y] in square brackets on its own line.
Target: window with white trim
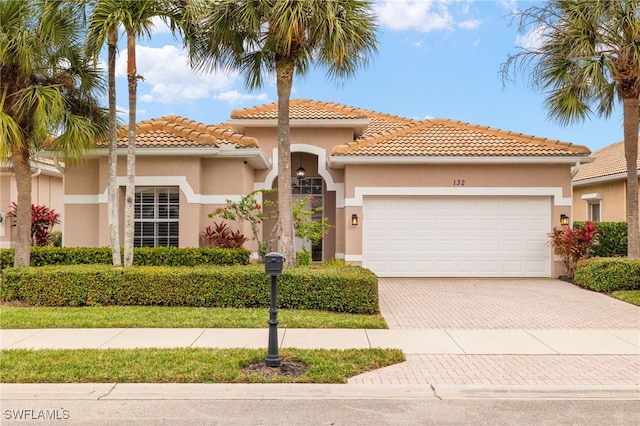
[156, 217]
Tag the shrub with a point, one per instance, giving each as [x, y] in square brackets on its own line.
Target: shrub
[42, 220]
[573, 244]
[222, 236]
[303, 257]
[608, 274]
[343, 289]
[150, 256]
[612, 239]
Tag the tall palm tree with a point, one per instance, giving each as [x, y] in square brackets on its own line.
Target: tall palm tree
[285, 37]
[137, 19]
[48, 87]
[588, 60]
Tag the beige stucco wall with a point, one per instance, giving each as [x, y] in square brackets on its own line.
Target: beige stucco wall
[201, 177]
[612, 204]
[46, 189]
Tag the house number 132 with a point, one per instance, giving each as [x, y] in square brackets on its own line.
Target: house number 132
[458, 182]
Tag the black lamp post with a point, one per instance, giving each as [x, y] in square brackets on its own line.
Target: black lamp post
[273, 265]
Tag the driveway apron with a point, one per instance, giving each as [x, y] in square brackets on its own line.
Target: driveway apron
[587, 338]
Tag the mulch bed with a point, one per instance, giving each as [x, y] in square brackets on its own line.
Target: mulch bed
[289, 368]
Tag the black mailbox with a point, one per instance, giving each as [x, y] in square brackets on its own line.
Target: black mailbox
[273, 264]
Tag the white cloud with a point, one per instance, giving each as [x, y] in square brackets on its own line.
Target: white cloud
[419, 15]
[470, 24]
[531, 40]
[511, 5]
[425, 15]
[167, 71]
[234, 97]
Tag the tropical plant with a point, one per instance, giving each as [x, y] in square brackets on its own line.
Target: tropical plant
[306, 225]
[587, 60]
[42, 220]
[572, 244]
[222, 236]
[248, 209]
[137, 19]
[284, 37]
[48, 88]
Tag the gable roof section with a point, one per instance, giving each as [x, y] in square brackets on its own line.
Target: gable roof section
[446, 138]
[172, 131]
[609, 162]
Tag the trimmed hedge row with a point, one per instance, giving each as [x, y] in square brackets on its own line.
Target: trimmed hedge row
[142, 256]
[340, 289]
[608, 274]
[612, 239]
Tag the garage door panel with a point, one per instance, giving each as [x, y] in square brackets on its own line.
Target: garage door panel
[456, 236]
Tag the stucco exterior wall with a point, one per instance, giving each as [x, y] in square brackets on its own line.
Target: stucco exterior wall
[46, 190]
[204, 185]
[612, 204]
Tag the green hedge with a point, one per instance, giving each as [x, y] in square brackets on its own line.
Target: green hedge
[612, 239]
[339, 289]
[608, 274]
[158, 256]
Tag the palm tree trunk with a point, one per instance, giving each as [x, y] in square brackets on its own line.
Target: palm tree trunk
[284, 75]
[22, 170]
[114, 232]
[631, 113]
[132, 78]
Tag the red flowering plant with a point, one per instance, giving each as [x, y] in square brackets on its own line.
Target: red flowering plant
[222, 236]
[42, 220]
[573, 244]
[247, 209]
[309, 224]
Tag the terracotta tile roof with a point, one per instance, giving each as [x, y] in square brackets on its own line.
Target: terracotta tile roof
[173, 131]
[607, 161]
[437, 137]
[305, 109]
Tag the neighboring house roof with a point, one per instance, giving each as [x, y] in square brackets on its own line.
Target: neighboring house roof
[38, 164]
[172, 131]
[609, 163]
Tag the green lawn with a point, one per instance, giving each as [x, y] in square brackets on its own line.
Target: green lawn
[187, 365]
[631, 296]
[176, 317]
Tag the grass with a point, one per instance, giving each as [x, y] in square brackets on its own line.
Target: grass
[176, 317]
[630, 296]
[188, 365]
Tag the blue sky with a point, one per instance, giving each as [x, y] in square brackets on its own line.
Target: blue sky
[436, 58]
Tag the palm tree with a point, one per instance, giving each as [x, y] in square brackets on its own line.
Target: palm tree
[137, 19]
[588, 60]
[285, 37]
[47, 88]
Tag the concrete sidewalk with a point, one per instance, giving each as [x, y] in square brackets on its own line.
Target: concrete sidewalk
[421, 342]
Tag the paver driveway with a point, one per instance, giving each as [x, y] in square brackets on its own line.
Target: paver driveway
[426, 303]
[488, 308]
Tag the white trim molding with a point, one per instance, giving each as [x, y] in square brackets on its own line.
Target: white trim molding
[322, 171]
[353, 258]
[555, 192]
[179, 181]
[592, 197]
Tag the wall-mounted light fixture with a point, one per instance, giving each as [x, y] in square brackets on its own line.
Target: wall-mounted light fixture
[301, 171]
[1, 218]
[564, 219]
[354, 219]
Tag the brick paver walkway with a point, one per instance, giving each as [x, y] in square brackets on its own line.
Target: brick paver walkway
[477, 304]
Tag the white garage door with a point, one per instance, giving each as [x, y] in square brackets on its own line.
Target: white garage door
[456, 236]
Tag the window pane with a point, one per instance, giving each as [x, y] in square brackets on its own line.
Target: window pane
[156, 211]
[595, 212]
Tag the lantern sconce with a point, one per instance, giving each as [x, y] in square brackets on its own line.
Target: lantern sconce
[354, 219]
[564, 219]
[301, 171]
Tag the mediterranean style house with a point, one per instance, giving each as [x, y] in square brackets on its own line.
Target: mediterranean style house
[600, 187]
[405, 198]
